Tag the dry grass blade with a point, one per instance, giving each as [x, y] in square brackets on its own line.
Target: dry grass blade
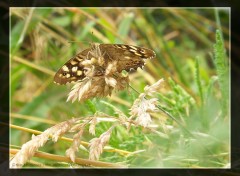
[28, 149]
[80, 161]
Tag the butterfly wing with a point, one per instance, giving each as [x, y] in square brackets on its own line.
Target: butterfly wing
[128, 56]
[72, 70]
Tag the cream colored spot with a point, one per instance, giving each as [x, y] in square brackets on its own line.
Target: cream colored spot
[118, 46]
[79, 72]
[123, 46]
[132, 50]
[68, 75]
[73, 62]
[65, 68]
[137, 54]
[86, 62]
[60, 75]
[127, 57]
[79, 58]
[133, 47]
[74, 69]
[93, 60]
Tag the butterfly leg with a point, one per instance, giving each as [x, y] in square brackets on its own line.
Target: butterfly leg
[89, 52]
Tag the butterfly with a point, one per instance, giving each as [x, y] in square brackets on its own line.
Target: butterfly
[128, 57]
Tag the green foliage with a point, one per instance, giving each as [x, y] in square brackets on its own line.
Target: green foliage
[124, 26]
[91, 106]
[197, 79]
[196, 91]
[15, 37]
[222, 69]
[177, 101]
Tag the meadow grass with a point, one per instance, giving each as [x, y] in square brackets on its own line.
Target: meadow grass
[191, 46]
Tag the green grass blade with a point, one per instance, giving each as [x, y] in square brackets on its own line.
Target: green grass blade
[197, 80]
[221, 64]
[124, 26]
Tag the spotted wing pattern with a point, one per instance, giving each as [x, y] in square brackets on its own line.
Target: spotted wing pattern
[128, 58]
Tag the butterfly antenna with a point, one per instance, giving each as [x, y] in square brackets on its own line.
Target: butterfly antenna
[92, 36]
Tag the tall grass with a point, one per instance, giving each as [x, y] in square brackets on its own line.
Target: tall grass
[192, 57]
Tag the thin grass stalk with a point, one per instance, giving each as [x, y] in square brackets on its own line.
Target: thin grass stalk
[197, 80]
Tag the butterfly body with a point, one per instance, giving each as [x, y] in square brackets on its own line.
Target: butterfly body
[98, 57]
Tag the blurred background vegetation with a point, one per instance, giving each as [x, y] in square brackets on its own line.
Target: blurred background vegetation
[191, 57]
